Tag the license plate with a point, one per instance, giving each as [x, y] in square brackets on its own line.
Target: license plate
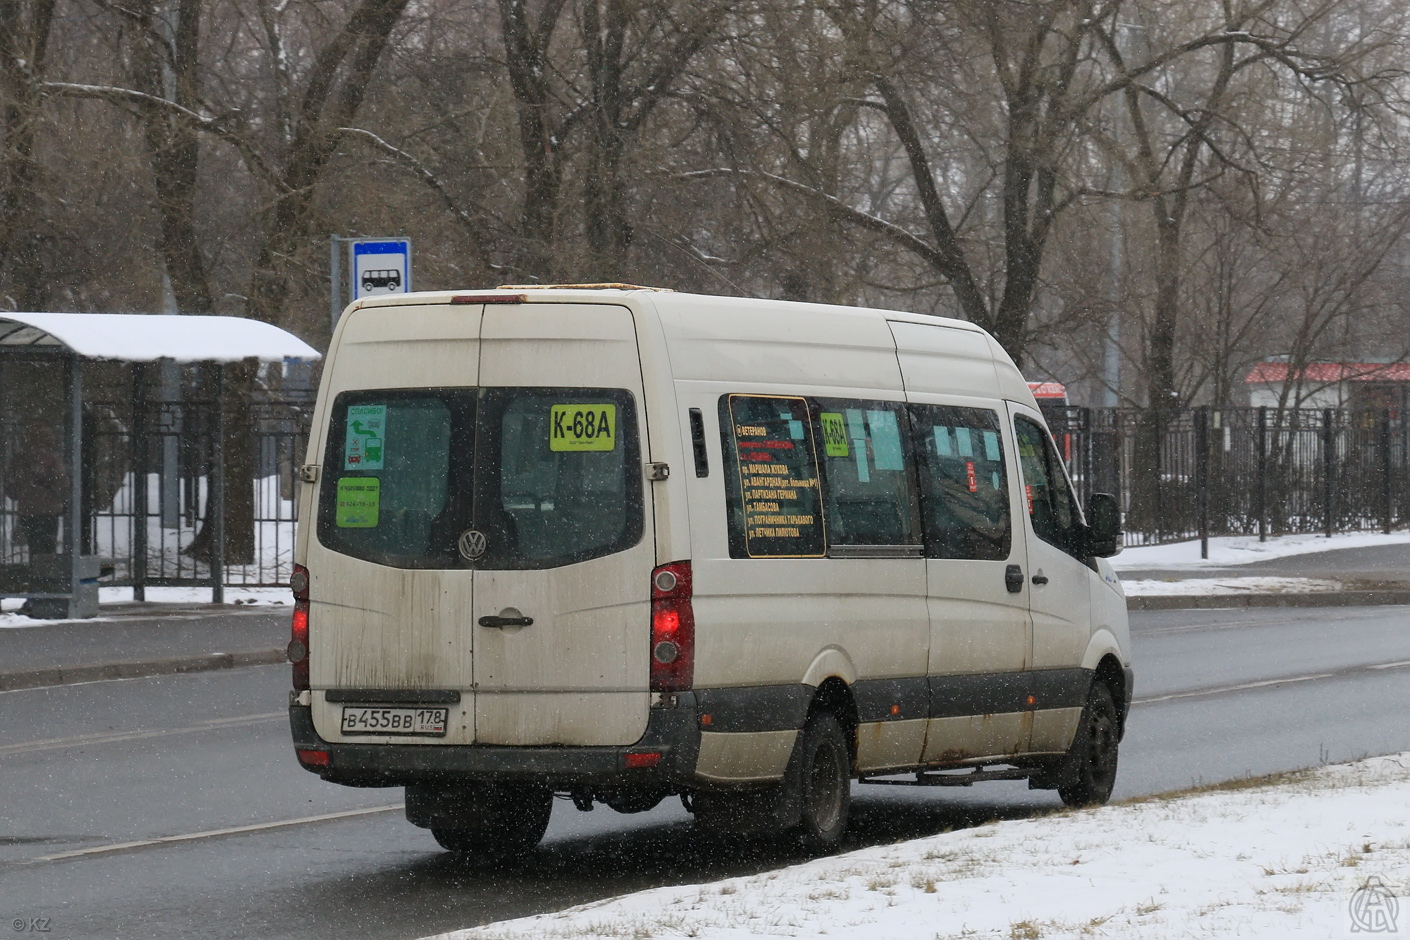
[371, 719]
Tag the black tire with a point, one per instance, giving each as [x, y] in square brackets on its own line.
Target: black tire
[1089, 770]
[822, 774]
[511, 822]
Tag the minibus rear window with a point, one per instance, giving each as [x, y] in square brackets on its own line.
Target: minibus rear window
[393, 467]
[559, 476]
[501, 478]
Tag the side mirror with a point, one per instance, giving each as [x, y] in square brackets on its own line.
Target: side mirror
[1103, 525]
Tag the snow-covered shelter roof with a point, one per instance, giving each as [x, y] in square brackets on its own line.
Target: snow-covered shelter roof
[136, 337]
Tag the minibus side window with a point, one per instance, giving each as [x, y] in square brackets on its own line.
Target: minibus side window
[868, 484]
[1051, 507]
[772, 494]
[963, 482]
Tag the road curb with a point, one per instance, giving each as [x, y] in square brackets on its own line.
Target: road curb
[1310, 599]
[69, 675]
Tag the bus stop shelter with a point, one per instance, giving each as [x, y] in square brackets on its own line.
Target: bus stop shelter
[43, 361]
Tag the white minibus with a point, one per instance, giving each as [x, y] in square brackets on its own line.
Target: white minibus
[620, 544]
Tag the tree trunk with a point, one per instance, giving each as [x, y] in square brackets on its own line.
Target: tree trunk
[526, 56]
[173, 147]
[24, 38]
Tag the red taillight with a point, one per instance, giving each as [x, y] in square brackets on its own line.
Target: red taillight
[312, 758]
[639, 761]
[298, 640]
[672, 628]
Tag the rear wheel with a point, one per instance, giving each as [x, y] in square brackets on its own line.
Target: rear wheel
[823, 776]
[1089, 770]
[486, 824]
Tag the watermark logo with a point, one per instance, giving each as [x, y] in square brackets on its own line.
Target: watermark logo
[1374, 908]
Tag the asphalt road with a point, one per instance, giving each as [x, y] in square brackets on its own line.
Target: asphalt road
[172, 762]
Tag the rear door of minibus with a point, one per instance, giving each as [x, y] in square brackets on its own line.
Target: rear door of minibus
[562, 591]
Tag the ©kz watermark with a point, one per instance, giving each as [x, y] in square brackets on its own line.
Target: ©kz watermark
[1374, 909]
[31, 925]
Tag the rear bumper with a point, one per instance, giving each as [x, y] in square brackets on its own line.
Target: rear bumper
[671, 731]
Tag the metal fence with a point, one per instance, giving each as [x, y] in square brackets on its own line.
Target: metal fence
[1248, 471]
[147, 481]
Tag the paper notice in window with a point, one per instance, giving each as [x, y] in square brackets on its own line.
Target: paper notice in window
[359, 502]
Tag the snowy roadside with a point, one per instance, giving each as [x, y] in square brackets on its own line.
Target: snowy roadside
[1300, 857]
[1150, 587]
[113, 600]
[1233, 550]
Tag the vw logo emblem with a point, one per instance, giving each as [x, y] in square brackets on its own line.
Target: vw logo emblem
[472, 544]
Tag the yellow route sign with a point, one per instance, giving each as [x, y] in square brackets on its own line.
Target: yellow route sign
[574, 428]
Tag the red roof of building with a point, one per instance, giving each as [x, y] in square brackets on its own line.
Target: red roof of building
[1048, 390]
[1331, 372]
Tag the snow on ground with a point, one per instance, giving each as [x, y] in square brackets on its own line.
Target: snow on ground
[1293, 859]
[113, 600]
[1242, 549]
[1147, 587]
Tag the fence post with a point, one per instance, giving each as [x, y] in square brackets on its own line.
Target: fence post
[1329, 443]
[1202, 477]
[1385, 470]
[216, 501]
[139, 481]
[1262, 487]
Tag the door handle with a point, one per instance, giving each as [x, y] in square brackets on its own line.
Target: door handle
[1013, 578]
[1040, 578]
[491, 621]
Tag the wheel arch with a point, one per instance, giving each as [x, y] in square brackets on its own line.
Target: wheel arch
[834, 695]
[1110, 673]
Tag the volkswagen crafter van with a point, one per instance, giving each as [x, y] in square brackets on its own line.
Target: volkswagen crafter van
[620, 544]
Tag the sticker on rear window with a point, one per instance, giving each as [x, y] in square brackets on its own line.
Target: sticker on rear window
[364, 441]
[359, 500]
[574, 428]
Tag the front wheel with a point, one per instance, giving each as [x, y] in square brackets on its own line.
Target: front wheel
[823, 775]
[1089, 770]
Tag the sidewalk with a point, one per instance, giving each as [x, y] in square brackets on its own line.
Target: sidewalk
[129, 640]
[1351, 569]
[133, 640]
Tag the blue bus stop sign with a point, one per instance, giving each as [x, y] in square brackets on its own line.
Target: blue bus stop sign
[380, 266]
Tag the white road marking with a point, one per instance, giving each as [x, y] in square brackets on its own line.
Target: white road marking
[1287, 680]
[107, 737]
[1232, 688]
[213, 833]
